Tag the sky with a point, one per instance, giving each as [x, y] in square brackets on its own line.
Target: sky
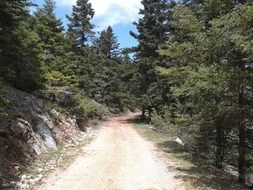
[120, 14]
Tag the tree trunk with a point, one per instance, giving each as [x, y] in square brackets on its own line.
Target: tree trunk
[220, 141]
[242, 152]
[149, 113]
[143, 114]
[242, 139]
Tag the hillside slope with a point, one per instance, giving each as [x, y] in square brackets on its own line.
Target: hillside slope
[29, 128]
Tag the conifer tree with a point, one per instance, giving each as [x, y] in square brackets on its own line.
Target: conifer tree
[50, 31]
[49, 28]
[211, 79]
[80, 27]
[153, 28]
[20, 49]
[108, 43]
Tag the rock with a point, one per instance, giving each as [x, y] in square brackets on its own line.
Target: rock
[82, 124]
[179, 141]
[23, 186]
[46, 135]
[3, 133]
[15, 170]
[30, 128]
[61, 96]
[40, 170]
[5, 184]
[249, 179]
[20, 128]
[23, 177]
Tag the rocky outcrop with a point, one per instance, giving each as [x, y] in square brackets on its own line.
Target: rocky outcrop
[26, 118]
[28, 127]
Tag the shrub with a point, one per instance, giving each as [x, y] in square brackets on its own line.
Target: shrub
[56, 78]
[161, 123]
[86, 108]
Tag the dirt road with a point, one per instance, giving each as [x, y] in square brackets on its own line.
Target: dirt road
[119, 159]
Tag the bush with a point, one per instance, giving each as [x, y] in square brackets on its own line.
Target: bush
[56, 78]
[161, 123]
[85, 108]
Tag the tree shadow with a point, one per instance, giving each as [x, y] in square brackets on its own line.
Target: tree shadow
[136, 120]
[205, 177]
[195, 172]
[199, 175]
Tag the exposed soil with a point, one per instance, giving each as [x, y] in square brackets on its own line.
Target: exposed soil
[119, 159]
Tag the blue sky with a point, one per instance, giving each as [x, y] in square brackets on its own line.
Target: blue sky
[120, 14]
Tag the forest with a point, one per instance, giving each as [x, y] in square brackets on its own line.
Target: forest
[191, 72]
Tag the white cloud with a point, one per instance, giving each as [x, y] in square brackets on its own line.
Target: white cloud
[111, 12]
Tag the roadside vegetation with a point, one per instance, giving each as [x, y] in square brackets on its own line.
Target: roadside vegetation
[193, 174]
[195, 77]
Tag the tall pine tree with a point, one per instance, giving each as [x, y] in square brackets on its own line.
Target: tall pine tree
[49, 28]
[20, 49]
[153, 29]
[80, 27]
[108, 43]
[50, 31]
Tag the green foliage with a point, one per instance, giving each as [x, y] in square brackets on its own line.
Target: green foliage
[210, 78]
[153, 30]
[192, 69]
[56, 78]
[86, 108]
[5, 102]
[161, 123]
[1, 83]
[80, 26]
[50, 31]
[35, 53]
[152, 27]
[20, 50]
[108, 43]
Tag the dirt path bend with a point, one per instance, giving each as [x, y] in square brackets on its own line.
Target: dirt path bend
[119, 159]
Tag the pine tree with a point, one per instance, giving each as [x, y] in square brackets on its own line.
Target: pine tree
[11, 14]
[20, 50]
[108, 43]
[211, 78]
[153, 28]
[49, 28]
[50, 31]
[80, 27]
